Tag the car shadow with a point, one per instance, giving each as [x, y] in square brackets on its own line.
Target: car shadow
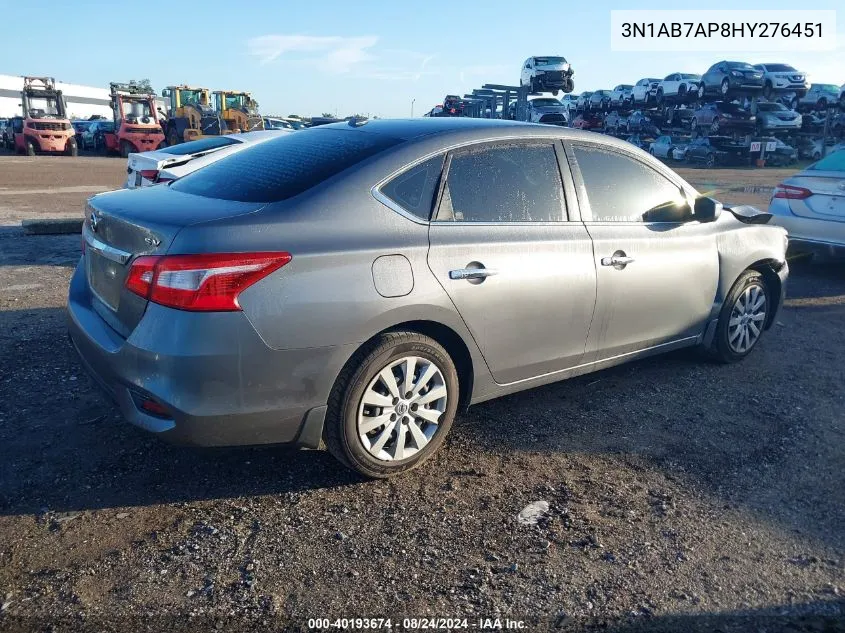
[744, 432]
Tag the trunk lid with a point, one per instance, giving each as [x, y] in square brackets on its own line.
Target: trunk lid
[828, 199]
[122, 225]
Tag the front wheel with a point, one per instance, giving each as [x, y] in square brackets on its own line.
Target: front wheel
[30, 148]
[125, 149]
[742, 318]
[392, 405]
[72, 149]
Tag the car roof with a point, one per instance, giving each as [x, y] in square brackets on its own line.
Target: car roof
[466, 130]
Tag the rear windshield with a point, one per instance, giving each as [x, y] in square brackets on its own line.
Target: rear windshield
[284, 167]
[202, 145]
[831, 162]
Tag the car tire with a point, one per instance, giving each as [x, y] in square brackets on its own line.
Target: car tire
[29, 148]
[768, 90]
[693, 126]
[725, 87]
[125, 149]
[348, 416]
[710, 161]
[701, 90]
[659, 98]
[71, 149]
[172, 136]
[735, 338]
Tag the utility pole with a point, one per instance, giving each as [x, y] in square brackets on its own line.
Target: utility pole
[412, 107]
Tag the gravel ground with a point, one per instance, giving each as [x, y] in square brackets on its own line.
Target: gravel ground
[681, 495]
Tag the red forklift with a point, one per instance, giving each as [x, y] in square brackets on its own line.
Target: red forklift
[44, 126]
[136, 125]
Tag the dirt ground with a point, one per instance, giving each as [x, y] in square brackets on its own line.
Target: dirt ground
[682, 495]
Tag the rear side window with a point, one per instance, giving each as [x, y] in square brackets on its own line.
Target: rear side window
[284, 167]
[504, 182]
[201, 145]
[414, 189]
[621, 189]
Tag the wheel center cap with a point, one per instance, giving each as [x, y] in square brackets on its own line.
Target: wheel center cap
[402, 407]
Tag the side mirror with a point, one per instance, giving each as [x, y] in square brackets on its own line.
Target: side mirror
[707, 209]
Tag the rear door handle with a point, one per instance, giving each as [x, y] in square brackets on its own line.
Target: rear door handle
[472, 273]
[616, 260]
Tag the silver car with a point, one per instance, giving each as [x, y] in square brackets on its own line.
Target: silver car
[358, 285]
[776, 116]
[811, 206]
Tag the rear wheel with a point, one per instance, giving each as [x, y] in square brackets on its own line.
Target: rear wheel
[172, 136]
[768, 91]
[742, 319]
[71, 148]
[392, 405]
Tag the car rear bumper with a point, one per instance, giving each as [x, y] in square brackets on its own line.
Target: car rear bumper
[219, 383]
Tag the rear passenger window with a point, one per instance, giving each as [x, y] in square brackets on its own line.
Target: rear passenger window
[414, 189]
[621, 189]
[503, 182]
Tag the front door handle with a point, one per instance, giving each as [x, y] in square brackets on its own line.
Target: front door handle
[618, 260]
[472, 273]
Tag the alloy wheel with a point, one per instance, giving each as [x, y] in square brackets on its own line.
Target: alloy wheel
[400, 410]
[726, 86]
[747, 319]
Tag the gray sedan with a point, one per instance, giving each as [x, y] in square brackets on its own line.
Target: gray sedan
[776, 116]
[357, 285]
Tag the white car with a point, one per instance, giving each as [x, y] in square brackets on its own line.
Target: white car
[680, 87]
[148, 168]
[547, 74]
[782, 78]
[547, 110]
[811, 206]
[644, 91]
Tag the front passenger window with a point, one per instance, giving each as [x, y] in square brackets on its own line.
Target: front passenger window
[622, 189]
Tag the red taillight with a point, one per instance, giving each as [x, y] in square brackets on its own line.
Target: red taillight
[791, 193]
[149, 174]
[151, 406]
[140, 277]
[200, 282]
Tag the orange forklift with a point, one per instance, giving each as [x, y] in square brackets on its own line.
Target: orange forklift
[136, 126]
[44, 126]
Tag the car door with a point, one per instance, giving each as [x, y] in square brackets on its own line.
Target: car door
[513, 256]
[657, 269]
